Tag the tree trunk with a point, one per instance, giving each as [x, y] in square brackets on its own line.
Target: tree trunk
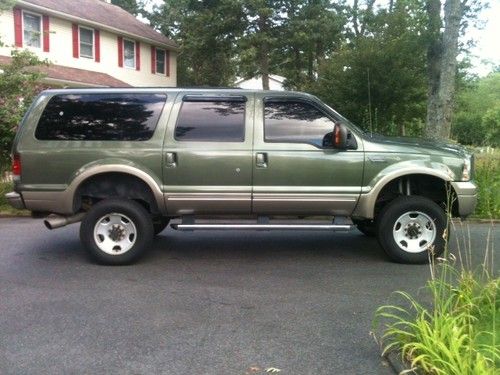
[433, 65]
[263, 51]
[442, 65]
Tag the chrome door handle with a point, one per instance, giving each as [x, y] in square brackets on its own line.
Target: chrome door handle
[261, 160]
[171, 160]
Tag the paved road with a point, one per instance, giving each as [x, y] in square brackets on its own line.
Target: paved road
[200, 303]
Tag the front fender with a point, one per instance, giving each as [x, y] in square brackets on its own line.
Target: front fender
[366, 204]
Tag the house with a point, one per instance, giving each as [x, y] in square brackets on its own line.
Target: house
[275, 82]
[89, 43]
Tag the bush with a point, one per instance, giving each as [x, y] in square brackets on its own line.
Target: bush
[487, 177]
[19, 84]
[454, 333]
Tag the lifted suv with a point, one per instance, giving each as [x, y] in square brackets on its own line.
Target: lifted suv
[126, 161]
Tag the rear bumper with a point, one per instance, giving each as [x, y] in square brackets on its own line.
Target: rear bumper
[466, 196]
[15, 200]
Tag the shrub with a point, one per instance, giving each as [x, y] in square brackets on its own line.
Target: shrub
[487, 176]
[453, 331]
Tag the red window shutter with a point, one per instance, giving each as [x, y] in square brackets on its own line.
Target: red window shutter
[167, 63]
[120, 51]
[46, 33]
[137, 56]
[18, 27]
[76, 47]
[153, 59]
[97, 45]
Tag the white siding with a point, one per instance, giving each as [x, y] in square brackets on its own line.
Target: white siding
[61, 53]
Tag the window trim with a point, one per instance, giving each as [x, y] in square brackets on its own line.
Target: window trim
[164, 74]
[200, 98]
[80, 42]
[284, 99]
[135, 54]
[40, 16]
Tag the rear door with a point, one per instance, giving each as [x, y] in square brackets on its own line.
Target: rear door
[207, 154]
[296, 171]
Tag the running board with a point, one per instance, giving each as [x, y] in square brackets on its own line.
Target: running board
[188, 227]
[337, 225]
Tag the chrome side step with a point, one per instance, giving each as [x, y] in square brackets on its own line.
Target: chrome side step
[263, 224]
[330, 227]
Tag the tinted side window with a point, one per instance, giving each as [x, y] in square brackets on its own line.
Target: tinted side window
[100, 117]
[211, 121]
[296, 122]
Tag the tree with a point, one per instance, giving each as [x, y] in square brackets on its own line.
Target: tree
[476, 120]
[131, 6]
[443, 49]
[20, 82]
[377, 77]
[207, 32]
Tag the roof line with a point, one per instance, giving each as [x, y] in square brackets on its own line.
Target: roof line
[93, 23]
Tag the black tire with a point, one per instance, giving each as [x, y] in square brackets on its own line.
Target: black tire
[159, 224]
[131, 210]
[367, 227]
[389, 227]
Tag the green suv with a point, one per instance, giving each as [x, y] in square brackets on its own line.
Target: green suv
[126, 161]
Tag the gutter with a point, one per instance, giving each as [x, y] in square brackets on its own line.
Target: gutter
[97, 25]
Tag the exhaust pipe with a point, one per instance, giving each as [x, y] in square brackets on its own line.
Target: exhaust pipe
[56, 221]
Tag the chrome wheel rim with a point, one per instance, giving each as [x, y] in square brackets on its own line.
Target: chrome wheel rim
[115, 233]
[414, 232]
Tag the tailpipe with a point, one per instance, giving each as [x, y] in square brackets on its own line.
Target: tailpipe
[57, 221]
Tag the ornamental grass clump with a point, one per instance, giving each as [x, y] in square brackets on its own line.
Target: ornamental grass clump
[453, 328]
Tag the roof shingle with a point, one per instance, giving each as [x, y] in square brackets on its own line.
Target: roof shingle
[106, 14]
[80, 76]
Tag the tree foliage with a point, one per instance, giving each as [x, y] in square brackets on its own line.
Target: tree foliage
[378, 63]
[206, 31]
[20, 82]
[132, 6]
[477, 117]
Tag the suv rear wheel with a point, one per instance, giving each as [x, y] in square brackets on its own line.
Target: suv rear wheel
[116, 231]
[411, 226]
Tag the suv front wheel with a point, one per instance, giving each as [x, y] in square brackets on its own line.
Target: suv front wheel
[410, 227]
[116, 231]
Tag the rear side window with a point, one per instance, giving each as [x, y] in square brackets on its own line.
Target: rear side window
[100, 117]
[211, 121]
[296, 122]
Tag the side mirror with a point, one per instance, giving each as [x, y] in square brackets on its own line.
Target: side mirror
[339, 135]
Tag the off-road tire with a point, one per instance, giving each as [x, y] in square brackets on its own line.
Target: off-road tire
[136, 213]
[389, 228]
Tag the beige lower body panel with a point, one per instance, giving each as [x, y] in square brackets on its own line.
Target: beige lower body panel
[48, 201]
[208, 203]
[304, 204]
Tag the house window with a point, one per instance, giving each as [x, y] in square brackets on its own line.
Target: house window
[160, 61]
[86, 42]
[32, 30]
[129, 53]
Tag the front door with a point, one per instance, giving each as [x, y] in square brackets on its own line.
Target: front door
[207, 155]
[296, 171]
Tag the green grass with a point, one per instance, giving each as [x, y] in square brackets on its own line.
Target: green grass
[487, 177]
[452, 328]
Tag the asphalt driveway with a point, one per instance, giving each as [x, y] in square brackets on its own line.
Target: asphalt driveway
[199, 303]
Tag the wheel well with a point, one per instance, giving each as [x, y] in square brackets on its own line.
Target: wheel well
[434, 188]
[114, 185]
